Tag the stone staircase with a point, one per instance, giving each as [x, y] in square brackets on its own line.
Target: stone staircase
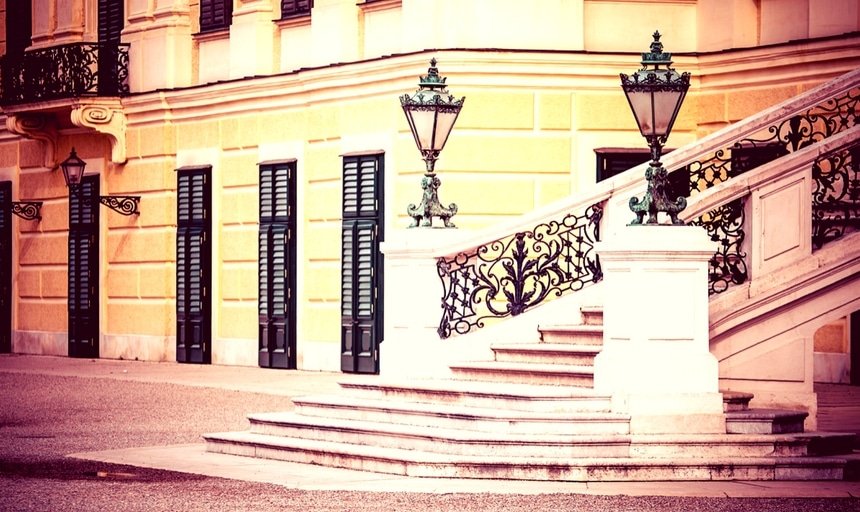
[530, 413]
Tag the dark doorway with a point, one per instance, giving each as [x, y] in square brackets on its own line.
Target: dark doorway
[193, 265]
[277, 265]
[361, 263]
[84, 269]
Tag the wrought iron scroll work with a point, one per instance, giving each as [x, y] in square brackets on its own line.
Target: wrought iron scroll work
[507, 277]
[124, 205]
[728, 265]
[836, 195]
[65, 71]
[28, 210]
[726, 224]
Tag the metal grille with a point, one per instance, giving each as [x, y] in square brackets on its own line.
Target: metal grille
[726, 224]
[66, 71]
[508, 276]
[836, 195]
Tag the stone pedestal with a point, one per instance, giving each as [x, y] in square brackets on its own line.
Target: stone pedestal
[655, 362]
[413, 295]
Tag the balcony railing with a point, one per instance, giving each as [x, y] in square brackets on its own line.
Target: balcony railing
[62, 72]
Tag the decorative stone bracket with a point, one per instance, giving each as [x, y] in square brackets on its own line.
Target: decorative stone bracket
[42, 127]
[103, 115]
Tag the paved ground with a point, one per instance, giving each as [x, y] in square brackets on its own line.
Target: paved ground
[133, 430]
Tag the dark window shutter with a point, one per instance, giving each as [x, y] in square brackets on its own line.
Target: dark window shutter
[193, 254]
[276, 266]
[19, 23]
[5, 267]
[215, 14]
[83, 269]
[359, 187]
[360, 249]
[295, 7]
[361, 263]
[111, 20]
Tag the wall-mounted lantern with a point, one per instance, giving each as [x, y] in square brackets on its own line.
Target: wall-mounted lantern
[431, 113]
[73, 172]
[655, 96]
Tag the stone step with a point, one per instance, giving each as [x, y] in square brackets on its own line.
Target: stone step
[428, 464]
[574, 334]
[465, 442]
[547, 353]
[525, 373]
[592, 315]
[765, 421]
[439, 440]
[460, 417]
[736, 400]
[494, 395]
[829, 443]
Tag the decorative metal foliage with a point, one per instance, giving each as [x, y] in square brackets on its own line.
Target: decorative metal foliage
[507, 277]
[65, 71]
[838, 211]
[728, 265]
[836, 195]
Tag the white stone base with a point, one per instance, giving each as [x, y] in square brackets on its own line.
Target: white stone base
[40, 343]
[655, 361]
[138, 347]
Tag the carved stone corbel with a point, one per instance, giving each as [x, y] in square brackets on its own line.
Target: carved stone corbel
[41, 127]
[103, 116]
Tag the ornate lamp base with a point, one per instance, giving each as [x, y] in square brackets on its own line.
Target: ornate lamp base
[422, 215]
[656, 200]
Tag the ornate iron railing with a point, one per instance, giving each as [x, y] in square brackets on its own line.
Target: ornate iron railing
[508, 276]
[67, 71]
[836, 195]
[726, 224]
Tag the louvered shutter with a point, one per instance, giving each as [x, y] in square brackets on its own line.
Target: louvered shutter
[295, 7]
[276, 266]
[361, 264]
[193, 276]
[215, 14]
[111, 20]
[5, 266]
[83, 269]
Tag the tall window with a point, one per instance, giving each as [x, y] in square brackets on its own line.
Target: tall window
[19, 22]
[84, 269]
[193, 265]
[290, 8]
[361, 263]
[215, 14]
[5, 266]
[277, 265]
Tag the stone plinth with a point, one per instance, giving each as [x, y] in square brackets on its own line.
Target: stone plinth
[413, 296]
[655, 362]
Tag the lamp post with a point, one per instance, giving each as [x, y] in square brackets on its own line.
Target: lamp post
[73, 172]
[431, 113]
[655, 96]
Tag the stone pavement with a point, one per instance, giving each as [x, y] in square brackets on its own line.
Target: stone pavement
[192, 458]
